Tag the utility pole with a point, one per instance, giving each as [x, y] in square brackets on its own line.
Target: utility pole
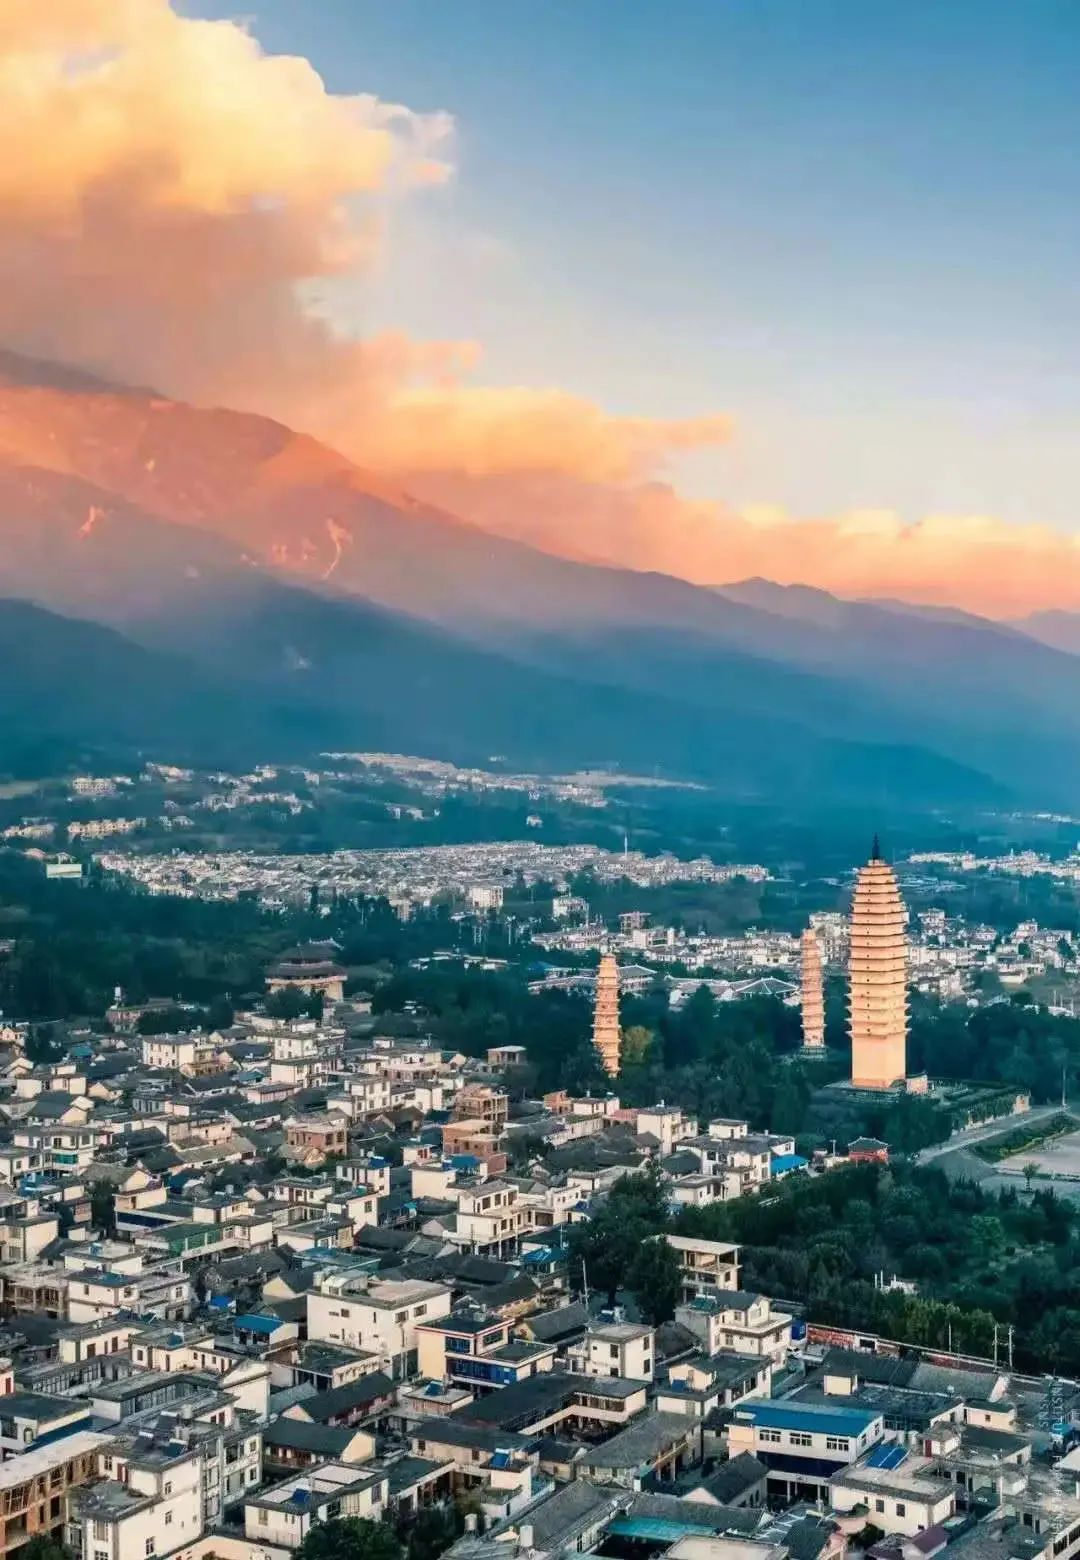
[1010, 1345]
[585, 1283]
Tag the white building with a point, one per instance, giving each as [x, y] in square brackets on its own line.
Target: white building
[285, 1514]
[378, 1316]
[615, 1348]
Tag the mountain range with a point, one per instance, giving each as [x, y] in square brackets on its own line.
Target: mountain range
[188, 581]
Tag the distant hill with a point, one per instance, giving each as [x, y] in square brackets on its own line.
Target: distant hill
[270, 563]
[1061, 630]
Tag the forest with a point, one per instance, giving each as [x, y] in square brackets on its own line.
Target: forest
[831, 1246]
[974, 1258]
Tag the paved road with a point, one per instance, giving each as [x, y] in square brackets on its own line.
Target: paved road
[992, 1129]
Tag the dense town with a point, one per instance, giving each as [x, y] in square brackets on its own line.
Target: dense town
[304, 1266]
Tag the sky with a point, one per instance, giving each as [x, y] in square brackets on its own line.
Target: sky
[719, 287]
[854, 227]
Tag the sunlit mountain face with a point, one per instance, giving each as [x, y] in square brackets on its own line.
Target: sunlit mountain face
[209, 450]
[270, 562]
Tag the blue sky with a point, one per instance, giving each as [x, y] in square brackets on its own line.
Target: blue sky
[852, 224]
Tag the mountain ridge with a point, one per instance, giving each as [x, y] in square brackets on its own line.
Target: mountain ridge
[187, 528]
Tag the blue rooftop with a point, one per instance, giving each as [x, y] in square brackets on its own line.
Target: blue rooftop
[890, 1455]
[258, 1324]
[661, 1529]
[785, 1162]
[820, 1417]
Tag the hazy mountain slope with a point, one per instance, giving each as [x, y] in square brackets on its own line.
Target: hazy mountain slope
[361, 678]
[1060, 630]
[69, 687]
[162, 519]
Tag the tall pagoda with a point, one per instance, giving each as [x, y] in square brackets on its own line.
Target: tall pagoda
[813, 993]
[606, 1032]
[877, 968]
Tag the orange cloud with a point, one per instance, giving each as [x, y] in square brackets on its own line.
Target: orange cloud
[974, 561]
[177, 205]
[177, 197]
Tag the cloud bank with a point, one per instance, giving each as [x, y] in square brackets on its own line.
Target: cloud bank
[178, 206]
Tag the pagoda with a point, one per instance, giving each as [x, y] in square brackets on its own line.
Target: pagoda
[606, 1032]
[813, 994]
[877, 969]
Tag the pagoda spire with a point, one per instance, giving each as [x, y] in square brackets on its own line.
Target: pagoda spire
[875, 849]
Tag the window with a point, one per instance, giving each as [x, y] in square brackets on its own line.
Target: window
[837, 1443]
[150, 1546]
[101, 1530]
[264, 1516]
[168, 1487]
[879, 1505]
[800, 1438]
[101, 1554]
[772, 1437]
[168, 1519]
[901, 1509]
[613, 1350]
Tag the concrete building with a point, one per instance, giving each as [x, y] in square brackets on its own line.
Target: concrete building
[377, 1315]
[898, 1492]
[615, 1347]
[284, 1515]
[33, 1487]
[740, 1321]
[878, 978]
[607, 1036]
[471, 1348]
[813, 994]
[803, 1445]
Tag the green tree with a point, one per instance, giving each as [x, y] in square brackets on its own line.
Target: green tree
[608, 1242]
[42, 1045]
[351, 1538]
[655, 1281]
[637, 1046]
[44, 1547]
[164, 1021]
[987, 1235]
[103, 1207]
[433, 1530]
[287, 1002]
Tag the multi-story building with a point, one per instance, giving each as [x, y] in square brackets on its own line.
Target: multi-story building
[315, 1134]
[283, 1516]
[377, 1315]
[707, 1265]
[473, 1349]
[615, 1347]
[34, 1488]
[149, 1501]
[488, 1220]
[737, 1320]
[803, 1445]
